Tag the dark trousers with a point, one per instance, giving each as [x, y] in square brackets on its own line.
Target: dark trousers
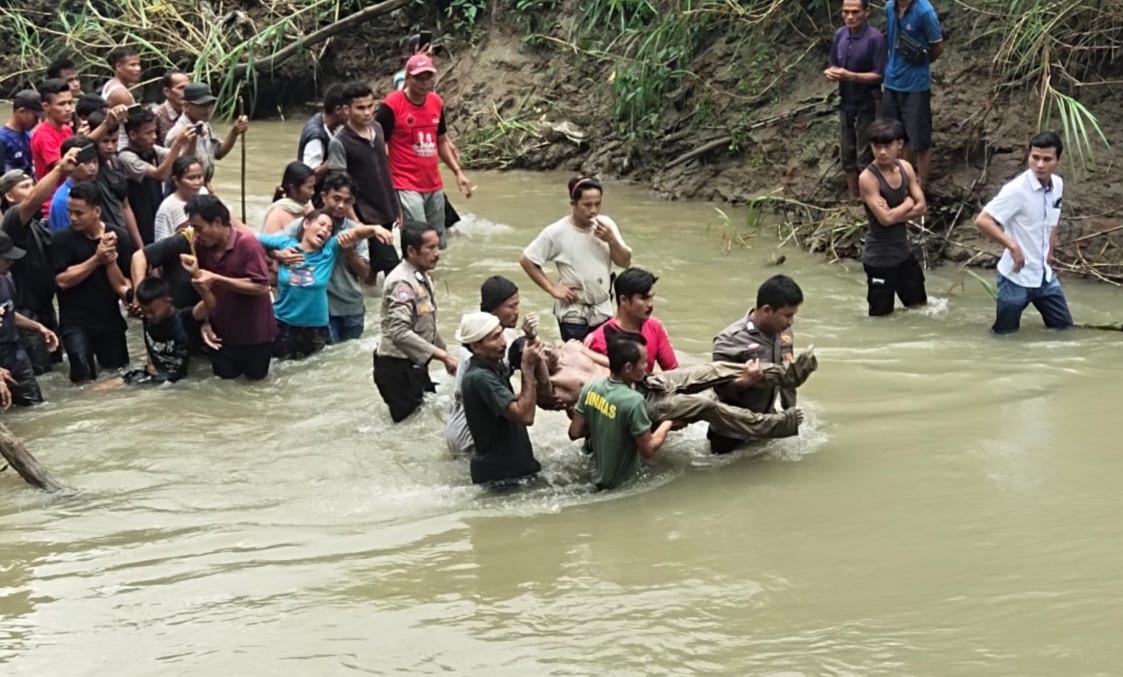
[33, 343]
[904, 280]
[402, 385]
[854, 148]
[383, 257]
[88, 350]
[1049, 299]
[293, 343]
[26, 391]
[572, 331]
[251, 361]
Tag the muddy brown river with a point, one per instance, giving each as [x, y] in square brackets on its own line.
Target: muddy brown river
[951, 508]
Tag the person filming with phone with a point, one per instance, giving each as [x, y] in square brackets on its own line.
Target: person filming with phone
[198, 106]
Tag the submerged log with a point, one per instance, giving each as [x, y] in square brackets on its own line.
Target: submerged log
[24, 463]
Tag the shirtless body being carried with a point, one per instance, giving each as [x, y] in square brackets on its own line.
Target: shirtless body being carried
[684, 395]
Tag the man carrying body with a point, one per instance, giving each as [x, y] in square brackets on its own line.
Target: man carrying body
[198, 106]
[634, 306]
[413, 120]
[233, 266]
[359, 149]
[34, 273]
[892, 196]
[91, 262]
[858, 65]
[915, 41]
[125, 62]
[148, 166]
[1023, 218]
[173, 83]
[584, 246]
[409, 325]
[500, 297]
[13, 358]
[497, 418]
[684, 395]
[612, 413]
[763, 336]
[15, 136]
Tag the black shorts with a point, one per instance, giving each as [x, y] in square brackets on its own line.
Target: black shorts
[294, 342]
[89, 350]
[250, 361]
[914, 110]
[26, 391]
[402, 385]
[33, 343]
[383, 257]
[905, 280]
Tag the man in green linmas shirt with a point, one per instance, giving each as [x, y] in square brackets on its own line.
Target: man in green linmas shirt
[613, 415]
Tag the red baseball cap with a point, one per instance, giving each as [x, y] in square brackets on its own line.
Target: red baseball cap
[420, 63]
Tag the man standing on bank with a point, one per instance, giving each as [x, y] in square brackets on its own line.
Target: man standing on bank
[497, 418]
[892, 196]
[584, 245]
[413, 120]
[409, 325]
[858, 65]
[1023, 218]
[915, 41]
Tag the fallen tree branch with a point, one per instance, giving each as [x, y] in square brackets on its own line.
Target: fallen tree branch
[24, 463]
[288, 51]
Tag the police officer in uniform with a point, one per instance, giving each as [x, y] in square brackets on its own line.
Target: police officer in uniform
[764, 334]
[409, 325]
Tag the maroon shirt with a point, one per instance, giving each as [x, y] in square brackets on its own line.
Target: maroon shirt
[238, 319]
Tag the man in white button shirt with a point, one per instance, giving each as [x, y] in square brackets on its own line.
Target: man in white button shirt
[1023, 218]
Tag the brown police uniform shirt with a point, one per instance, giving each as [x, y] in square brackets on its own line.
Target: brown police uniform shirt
[409, 316]
[741, 342]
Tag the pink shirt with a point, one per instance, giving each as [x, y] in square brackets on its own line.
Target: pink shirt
[658, 343]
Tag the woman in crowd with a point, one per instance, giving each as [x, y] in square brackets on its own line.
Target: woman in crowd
[292, 199]
[187, 177]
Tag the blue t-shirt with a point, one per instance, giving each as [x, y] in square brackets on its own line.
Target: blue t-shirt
[302, 292]
[15, 151]
[922, 24]
[59, 216]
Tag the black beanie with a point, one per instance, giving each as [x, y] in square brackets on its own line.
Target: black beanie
[495, 292]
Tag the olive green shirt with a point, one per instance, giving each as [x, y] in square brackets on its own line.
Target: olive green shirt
[615, 415]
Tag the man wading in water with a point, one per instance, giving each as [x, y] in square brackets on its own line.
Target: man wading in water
[892, 196]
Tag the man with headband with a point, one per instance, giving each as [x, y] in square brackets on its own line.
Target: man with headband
[500, 297]
[497, 418]
[584, 246]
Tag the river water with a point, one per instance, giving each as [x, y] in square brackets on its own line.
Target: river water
[949, 509]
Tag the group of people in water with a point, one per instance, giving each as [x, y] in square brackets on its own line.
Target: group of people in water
[112, 205]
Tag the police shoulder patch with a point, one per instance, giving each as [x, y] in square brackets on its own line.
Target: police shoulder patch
[786, 338]
[403, 292]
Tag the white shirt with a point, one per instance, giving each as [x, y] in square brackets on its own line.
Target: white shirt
[583, 260]
[1028, 212]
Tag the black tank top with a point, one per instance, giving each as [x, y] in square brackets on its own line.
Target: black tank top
[887, 246]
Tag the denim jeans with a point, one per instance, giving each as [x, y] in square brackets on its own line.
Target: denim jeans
[345, 327]
[1049, 299]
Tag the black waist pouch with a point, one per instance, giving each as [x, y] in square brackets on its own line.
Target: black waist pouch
[912, 49]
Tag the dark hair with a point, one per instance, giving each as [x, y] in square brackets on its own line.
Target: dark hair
[182, 164]
[1047, 140]
[138, 118]
[579, 184]
[338, 181]
[95, 120]
[89, 104]
[634, 282]
[333, 98]
[53, 87]
[119, 54]
[75, 141]
[296, 173]
[86, 191]
[169, 78]
[354, 90]
[885, 130]
[779, 291]
[209, 208]
[311, 217]
[54, 71]
[151, 289]
[622, 348]
[495, 291]
[413, 235]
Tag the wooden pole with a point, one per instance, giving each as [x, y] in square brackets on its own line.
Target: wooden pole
[24, 463]
[242, 143]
